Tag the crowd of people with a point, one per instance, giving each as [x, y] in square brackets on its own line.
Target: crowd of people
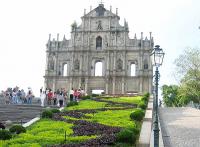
[60, 97]
[47, 96]
[18, 96]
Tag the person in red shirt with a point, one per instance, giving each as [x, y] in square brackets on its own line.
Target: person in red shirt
[49, 97]
[76, 94]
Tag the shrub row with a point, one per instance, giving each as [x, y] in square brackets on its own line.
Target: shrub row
[144, 101]
[137, 114]
[48, 113]
[72, 103]
[7, 134]
[128, 135]
[86, 97]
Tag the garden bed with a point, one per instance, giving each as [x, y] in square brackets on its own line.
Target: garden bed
[93, 122]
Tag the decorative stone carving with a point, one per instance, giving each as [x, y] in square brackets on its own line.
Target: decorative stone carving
[99, 26]
[119, 64]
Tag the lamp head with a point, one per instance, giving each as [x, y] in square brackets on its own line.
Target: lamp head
[157, 56]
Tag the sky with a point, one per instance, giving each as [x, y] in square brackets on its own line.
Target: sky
[26, 24]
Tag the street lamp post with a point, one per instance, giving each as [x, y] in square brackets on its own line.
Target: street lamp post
[157, 59]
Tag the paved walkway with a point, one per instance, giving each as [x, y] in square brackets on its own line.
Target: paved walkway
[180, 127]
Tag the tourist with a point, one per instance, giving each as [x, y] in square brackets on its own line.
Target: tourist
[71, 94]
[49, 97]
[42, 97]
[41, 91]
[82, 92]
[7, 98]
[14, 96]
[29, 96]
[60, 99]
[23, 96]
[79, 94]
[75, 94]
[54, 98]
[19, 100]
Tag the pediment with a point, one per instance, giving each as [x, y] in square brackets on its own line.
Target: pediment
[99, 11]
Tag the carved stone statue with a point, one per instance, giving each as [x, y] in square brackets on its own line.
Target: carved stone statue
[119, 64]
[99, 27]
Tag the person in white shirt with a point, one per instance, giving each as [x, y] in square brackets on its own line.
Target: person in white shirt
[42, 97]
[71, 94]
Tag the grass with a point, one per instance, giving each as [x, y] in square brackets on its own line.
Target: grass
[45, 132]
[87, 104]
[131, 100]
[118, 118]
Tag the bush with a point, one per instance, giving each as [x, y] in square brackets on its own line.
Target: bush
[142, 105]
[95, 95]
[17, 129]
[137, 115]
[85, 97]
[145, 97]
[55, 110]
[72, 103]
[127, 136]
[47, 114]
[147, 94]
[5, 135]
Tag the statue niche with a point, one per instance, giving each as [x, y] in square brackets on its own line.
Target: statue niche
[119, 65]
[76, 65]
[51, 63]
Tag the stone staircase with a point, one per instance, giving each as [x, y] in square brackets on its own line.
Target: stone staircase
[19, 113]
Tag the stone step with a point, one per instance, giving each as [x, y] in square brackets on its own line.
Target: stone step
[20, 112]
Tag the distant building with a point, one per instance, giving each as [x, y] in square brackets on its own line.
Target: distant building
[124, 64]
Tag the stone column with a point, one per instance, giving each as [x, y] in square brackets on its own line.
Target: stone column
[113, 90]
[54, 85]
[141, 85]
[79, 83]
[123, 87]
[86, 85]
[81, 64]
[106, 81]
[108, 64]
[70, 83]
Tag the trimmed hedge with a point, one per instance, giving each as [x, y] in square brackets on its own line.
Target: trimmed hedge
[17, 129]
[137, 114]
[127, 136]
[5, 135]
[142, 105]
[95, 95]
[55, 110]
[72, 103]
[47, 114]
[86, 97]
[145, 97]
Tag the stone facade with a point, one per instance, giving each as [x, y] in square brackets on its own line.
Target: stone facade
[100, 39]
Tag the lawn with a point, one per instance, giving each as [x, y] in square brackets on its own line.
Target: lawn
[131, 100]
[118, 118]
[87, 104]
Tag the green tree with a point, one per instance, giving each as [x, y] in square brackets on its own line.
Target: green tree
[170, 95]
[188, 69]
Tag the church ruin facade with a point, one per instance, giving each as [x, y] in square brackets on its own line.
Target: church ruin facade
[100, 56]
